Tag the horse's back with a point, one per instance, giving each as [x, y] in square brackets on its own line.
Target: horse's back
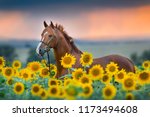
[123, 62]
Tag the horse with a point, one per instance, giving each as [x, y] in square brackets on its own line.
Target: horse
[54, 36]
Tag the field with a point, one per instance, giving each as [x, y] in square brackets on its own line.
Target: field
[34, 81]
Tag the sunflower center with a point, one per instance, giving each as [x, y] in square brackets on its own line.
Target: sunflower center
[53, 83]
[120, 75]
[144, 76]
[10, 82]
[43, 94]
[95, 72]
[45, 71]
[86, 58]
[36, 89]
[129, 97]
[105, 78]
[86, 90]
[146, 65]
[85, 80]
[18, 88]
[71, 91]
[25, 75]
[35, 67]
[108, 92]
[8, 72]
[67, 60]
[1, 61]
[128, 83]
[78, 75]
[112, 69]
[53, 90]
[16, 64]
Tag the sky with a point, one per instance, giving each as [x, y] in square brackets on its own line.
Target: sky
[82, 19]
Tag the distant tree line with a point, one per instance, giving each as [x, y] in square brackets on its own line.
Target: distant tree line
[138, 59]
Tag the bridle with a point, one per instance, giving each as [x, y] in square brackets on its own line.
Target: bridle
[47, 50]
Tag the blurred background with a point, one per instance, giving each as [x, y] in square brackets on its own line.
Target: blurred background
[101, 27]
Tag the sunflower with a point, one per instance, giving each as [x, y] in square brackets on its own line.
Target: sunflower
[146, 64]
[112, 68]
[77, 73]
[62, 93]
[44, 61]
[9, 81]
[106, 78]
[2, 62]
[86, 59]
[129, 96]
[18, 88]
[44, 72]
[16, 64]
[54, 91]
[68, 60]
[129, 83]
[96, 72]
[25, 74]
[144, 77]
[71, 92]
[120, 75]
[67, 81]
[43, 94]
[36, 89]
[109, 92]
[8, 72]
[87, 90]
[85, 79]
[34, 66]
[52, 82]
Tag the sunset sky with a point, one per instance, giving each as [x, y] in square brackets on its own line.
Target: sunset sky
[82, 19]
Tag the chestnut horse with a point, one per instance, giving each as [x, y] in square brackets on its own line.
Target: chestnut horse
[54, 36]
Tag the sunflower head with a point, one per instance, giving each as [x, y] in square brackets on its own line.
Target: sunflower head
[112, 68]
[25, 74]
[52, 82]
[54, 91]
[44, 72]
[8, 72]
[96, 72]
[146, 64]
[34, 66]
[86, 59]
[16, 64]
[129, 96]
[87, 90]
[18, 88]
[2, 62]
[43, 94]
[129, 83]
[106, 78]
[68, 61]
[120, 75]
[144, 77]
[36, 89]
[109, 92]
[77, 74]
[85, 79]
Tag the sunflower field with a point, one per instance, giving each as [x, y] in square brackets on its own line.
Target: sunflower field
[35, 82]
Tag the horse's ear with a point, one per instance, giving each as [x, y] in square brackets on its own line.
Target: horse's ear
[52, 25]
[45, 24]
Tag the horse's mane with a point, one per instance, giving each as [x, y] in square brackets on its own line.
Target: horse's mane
[67, 37]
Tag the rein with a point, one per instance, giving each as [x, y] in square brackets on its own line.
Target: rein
[48, 57]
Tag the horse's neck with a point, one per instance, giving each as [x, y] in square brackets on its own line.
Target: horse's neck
[59, 52]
